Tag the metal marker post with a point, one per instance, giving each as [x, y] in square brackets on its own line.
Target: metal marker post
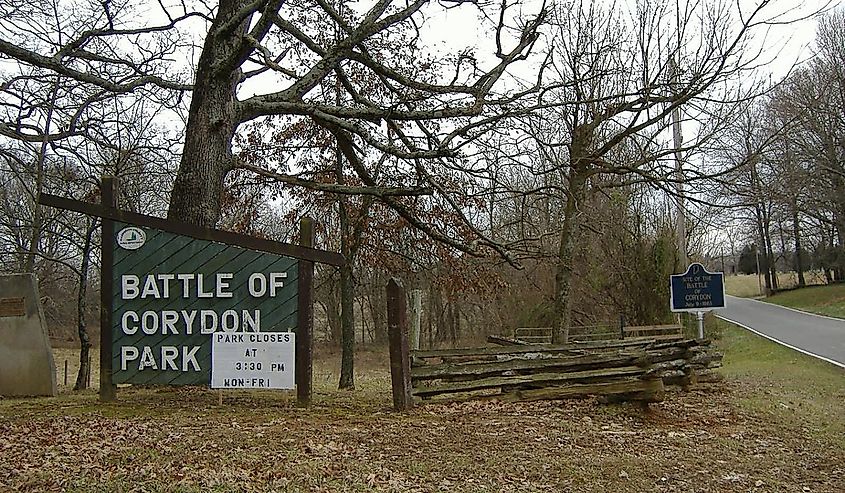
[700, 324]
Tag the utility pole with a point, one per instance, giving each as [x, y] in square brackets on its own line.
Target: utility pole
[677, 140]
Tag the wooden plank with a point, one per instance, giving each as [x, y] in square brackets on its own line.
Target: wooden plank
[648, 390]
[535, 339]
[573, 348]
[667, 366]
[534, 330]
[297, 251]
[679, 342]
[595, 336]
[536, 379]
[654, 327]
[591, 361]
[666, 354]
[504, 341]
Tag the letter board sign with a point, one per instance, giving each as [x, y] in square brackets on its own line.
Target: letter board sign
[245, 360]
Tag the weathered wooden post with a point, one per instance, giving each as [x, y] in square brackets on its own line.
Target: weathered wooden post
[397, 334]
[305, 318]
[416, 318]
[108, 199]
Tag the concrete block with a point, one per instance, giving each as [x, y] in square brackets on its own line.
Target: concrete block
[26, 358]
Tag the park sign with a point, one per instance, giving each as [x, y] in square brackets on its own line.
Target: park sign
[697, 290]
[167, 288]
[172, 292]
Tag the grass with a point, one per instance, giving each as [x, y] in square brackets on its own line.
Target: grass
[775, 424]
[824, 300]
[791, 387]
[750, 286]
[817, 298]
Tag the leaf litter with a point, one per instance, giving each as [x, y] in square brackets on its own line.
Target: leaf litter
[180, 440]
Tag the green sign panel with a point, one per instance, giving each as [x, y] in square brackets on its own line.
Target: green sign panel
[171, 292]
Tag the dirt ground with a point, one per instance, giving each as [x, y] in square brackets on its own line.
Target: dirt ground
[181, 440]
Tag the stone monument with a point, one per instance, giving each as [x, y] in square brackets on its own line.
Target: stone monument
[26, 359]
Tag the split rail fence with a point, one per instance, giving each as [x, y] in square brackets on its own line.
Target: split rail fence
[636, 368]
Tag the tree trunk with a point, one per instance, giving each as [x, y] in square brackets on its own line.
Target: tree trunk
[347, 286]
[762, 230]
[431, 314]
[84, 375]
[437, 313]
[770, 258]
[377, 303]
[347, 323]
[37, 212]
[332, 307]
[839, 269]
[579, 153]
[452, 321]
[207, 155]
[799, 255]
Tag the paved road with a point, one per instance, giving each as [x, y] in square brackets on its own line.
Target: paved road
[822, 337]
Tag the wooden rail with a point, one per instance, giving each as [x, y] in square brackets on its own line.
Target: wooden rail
[669, 331]
[543, 372]
[543, 335]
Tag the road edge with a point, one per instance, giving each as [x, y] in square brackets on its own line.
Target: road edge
[790, 346]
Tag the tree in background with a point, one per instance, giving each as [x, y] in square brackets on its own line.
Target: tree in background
[60, 134]
[787, 153]
[604, 118]
[748, 259]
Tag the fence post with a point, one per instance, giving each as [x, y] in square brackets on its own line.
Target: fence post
[621, 326]
[397, 334]
[416, 318]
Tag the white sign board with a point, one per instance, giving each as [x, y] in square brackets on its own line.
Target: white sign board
[252, 360]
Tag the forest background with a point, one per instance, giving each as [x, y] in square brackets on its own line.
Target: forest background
[553, 173]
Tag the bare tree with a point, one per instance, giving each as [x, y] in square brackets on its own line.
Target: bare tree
[616, 78]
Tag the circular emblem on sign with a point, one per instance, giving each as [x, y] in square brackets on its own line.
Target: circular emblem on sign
[131, 238]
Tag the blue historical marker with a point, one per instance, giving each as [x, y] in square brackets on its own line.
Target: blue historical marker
[697, 290]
